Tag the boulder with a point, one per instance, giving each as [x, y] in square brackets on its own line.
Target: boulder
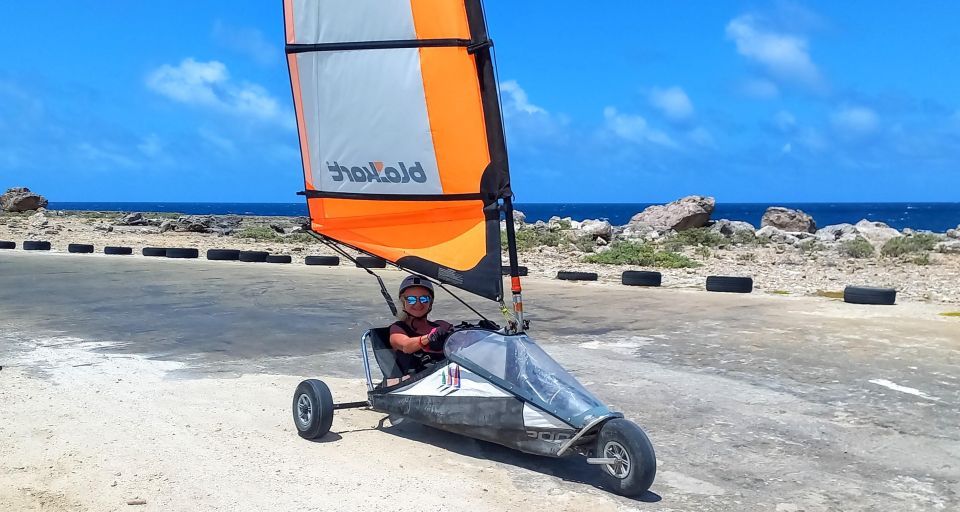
[776, 235]
[222, 224]
[519, 217]
[39, 220]
[837, 233]
[877, 233]
[556, 223]
[638, 231]
[954, 233]
[596, 229]
[167, 225]
[688, 212]
[786, 219]
[132, 219]
[949, 247]
[729, 228]
[20, 199]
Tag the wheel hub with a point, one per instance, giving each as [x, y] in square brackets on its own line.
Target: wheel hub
[304, 410]
[620, 468]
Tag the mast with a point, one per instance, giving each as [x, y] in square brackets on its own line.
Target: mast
[496, 139]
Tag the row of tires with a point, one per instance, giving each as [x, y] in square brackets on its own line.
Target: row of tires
[728, 284]
[191, 253]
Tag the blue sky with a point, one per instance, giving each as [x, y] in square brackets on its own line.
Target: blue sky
[617, 101]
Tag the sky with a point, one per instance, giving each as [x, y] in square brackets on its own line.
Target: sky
[614, 101]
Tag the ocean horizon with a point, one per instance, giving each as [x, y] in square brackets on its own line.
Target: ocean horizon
[937, 217]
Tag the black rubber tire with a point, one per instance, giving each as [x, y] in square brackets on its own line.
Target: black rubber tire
[566, 275]
[254, 256]
[869, 295]
[521, 270]
[119, 251]
[641, 278]
[317, 421]
[7, 245]
[80, 248]
[36, 245]
[637, 447]
[729, 284]
[322, 260]
[154, 251]
[183, 253]
[223, 254]
[279, 258]
[371, 262]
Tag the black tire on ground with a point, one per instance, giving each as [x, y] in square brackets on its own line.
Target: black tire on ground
[641, 278]
[636, 468]
[36, 245]
[521, 270]
[371, 262]
[322, 260]
[7, 245]
[729, 284]
[279, 258]
[566, 275]
[869, 295]
[120, 251]
[80, 248]
[254, 256]
[182, 252]
[312, 409]
[223, 254]
[154, 251]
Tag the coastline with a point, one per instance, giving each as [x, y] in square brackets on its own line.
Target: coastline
[780, 265]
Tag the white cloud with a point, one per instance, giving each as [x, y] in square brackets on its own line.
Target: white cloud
[103, 156]
[787, 148]
[635, 128]
[761, 89]
[248, 41]
[673, 102]
[784, 56]
[208, 84]
[517, 99]
[785, 121]
[701, 136]
[855, 121]
[217, 141]
[151, 146]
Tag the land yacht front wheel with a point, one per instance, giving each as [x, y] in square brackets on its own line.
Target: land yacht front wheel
[312, 409]
[633, 463]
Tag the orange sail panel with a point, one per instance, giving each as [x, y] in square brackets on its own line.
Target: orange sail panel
[400, 133]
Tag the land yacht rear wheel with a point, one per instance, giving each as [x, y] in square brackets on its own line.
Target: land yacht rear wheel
[312, 409]
[635, 464]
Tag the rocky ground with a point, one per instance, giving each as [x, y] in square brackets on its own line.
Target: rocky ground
[797, 260]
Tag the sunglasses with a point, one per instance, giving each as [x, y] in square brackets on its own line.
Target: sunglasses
[412, 299]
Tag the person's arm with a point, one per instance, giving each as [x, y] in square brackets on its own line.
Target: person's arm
[407, 344]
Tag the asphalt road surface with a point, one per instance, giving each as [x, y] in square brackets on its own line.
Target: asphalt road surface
[752, 402]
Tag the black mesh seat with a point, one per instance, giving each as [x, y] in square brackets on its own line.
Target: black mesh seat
[393, 363]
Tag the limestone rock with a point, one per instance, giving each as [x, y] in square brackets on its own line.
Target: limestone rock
[954, 233]
[949, 247]
[132, 219]
[519, 217]
[20, 199]
[787, 219]
[777, 235]
[729, 228]
[837, 233]
[222, 224]
[877, 233]
[167, 225]
[688, 212]
[596, 229]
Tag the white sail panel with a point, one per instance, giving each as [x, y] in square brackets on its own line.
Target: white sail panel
[340, 21]
[367, 122]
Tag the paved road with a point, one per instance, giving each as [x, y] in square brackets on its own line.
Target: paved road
[753, 402]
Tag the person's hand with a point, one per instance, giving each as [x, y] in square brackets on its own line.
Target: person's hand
[438, 336]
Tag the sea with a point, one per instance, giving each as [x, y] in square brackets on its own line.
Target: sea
[937, 217]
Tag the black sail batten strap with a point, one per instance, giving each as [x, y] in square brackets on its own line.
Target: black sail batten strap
[380, 45]
[315, 194]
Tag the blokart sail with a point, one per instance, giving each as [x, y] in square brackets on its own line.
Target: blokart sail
[400, 133]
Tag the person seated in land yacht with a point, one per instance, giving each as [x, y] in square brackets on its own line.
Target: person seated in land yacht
[413, 333]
